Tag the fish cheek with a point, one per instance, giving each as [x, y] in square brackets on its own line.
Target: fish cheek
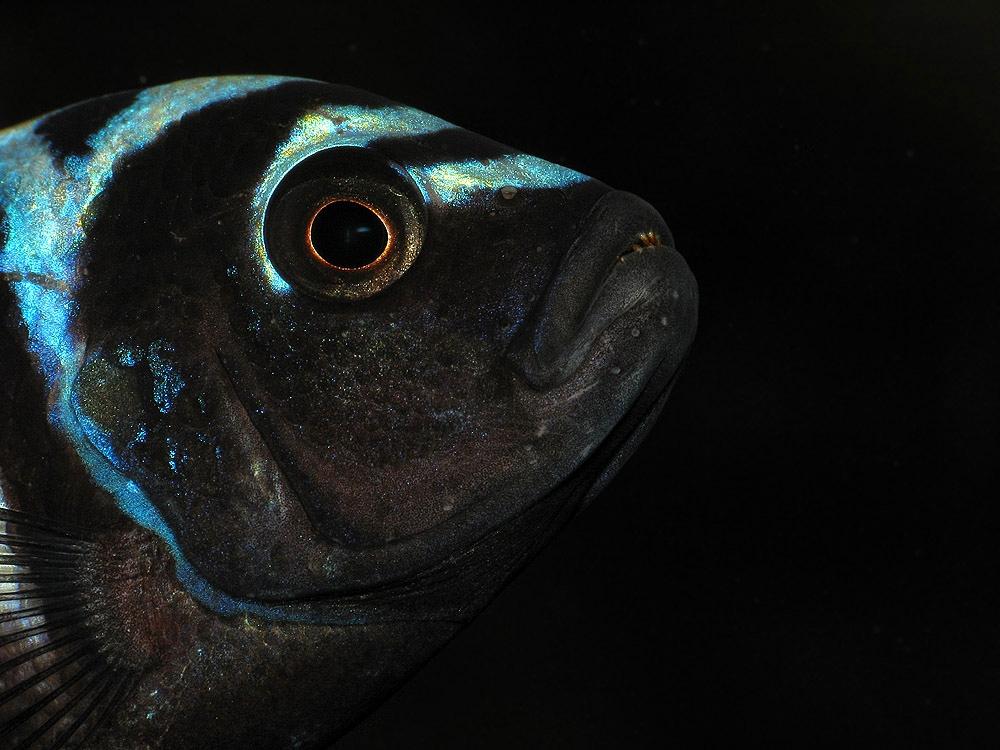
[377, 420]
[408, 413]
[172, 425]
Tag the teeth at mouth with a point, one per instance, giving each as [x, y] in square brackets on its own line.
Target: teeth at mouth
[646, 239]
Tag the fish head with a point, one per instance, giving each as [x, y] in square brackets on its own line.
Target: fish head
[294, 379]
[328, 345]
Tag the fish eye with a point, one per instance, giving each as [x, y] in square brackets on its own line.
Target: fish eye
[347, 234]
[344, 224]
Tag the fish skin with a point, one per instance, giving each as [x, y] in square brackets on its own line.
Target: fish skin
[244, 494]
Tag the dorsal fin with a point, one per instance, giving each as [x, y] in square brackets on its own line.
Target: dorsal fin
[56, 685]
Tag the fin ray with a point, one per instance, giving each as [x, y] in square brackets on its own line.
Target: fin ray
[56, 685]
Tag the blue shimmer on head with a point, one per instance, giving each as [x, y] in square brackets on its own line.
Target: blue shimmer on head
[45, 204]
[42, 211]
[455, 183]
[167, 383]
[326, 127]
[460, 182]
[126, 356]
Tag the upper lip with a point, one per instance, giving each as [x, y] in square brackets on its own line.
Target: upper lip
[622, 254]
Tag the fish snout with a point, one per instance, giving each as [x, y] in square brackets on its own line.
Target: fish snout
[621, 272]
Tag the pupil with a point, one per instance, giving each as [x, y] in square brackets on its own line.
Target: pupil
[348, 235]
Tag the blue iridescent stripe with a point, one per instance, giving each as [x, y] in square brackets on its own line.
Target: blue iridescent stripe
[44, 205]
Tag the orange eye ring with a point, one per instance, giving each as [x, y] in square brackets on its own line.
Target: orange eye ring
[340, 233]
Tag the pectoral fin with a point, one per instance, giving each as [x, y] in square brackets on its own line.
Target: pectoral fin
[56, 683]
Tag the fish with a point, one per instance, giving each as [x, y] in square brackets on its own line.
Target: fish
[293, 380]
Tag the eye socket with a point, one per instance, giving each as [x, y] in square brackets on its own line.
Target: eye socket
[344, 224]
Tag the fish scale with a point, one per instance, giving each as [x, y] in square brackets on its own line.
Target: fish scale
[253, 475]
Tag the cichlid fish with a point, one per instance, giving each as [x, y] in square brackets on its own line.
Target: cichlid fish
[293, 379]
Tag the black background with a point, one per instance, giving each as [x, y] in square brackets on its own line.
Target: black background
[805, 547]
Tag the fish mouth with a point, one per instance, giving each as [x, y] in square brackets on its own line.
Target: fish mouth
[622, 267]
